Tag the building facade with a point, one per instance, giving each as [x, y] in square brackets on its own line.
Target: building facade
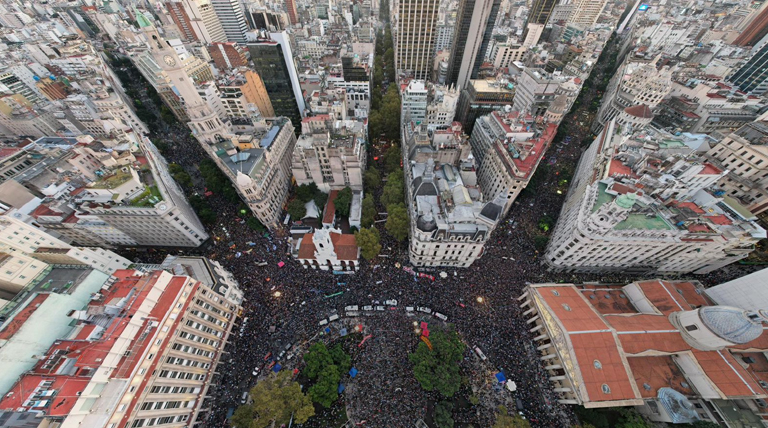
[469, 42]
[273, 61]
[332, 158]
[415, 37]
[620, 215]
[512, 147]
[171, 339]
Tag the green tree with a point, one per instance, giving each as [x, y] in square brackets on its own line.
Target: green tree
[243, 417]
[389, 59]
[372, 179]
[276, 398]
[341, 358]
[545, 223]
[343, 201]
[254, 224]
[443, 417]
[392, 159]
[296, 209]
[630, 418]
[305, 192]
[368, 215]
[504, 420]
[437, 369]
[325, 390]
[393, 192]
[397, 221]
[368, 241]
[316, 360]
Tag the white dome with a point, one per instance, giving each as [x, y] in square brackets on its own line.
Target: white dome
[243, 180]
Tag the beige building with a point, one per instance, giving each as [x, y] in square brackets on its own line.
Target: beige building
[260, 167]
[19, 236]
[331, 161]
[745, 154]
[156, 364]
[17, 271]
[243, 90]
[586, 12]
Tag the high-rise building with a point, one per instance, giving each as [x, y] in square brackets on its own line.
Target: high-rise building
[273, 60]
[743, 153]
[227, 56]
[260, 168]
[540, 11]
[332, 162]
[474, 23]
[290, 8]
[586, 12]
[144, 348]
[752, 76]
[756, 29]
[414, 104]
[481, 97]
[415, 37]
[232, 18]
[164, 68]
[196, 20]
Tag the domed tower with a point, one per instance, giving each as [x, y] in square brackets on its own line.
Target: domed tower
[712, 328]
[611, 214]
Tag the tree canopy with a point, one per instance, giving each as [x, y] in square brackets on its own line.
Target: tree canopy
[368, 241]
[326, 366]
[397, 221]
[394, 190]
[368, 215]
[505, 420]
[343, 201]
[437, 369]
[275, 399]
[296, 209]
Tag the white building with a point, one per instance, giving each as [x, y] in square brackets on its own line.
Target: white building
[333, 158]
[634, 208]
[414, 102]
[635, 83]
[586, 12]
[512, 148]
[441, 107]
[261, 168]
[232, 19]
[19, 236]
[327, 249]
[744, 155]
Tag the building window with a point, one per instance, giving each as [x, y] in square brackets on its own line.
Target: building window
[691, 327]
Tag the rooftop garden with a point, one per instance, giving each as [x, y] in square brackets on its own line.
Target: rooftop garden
[116, 179]
[148, 198]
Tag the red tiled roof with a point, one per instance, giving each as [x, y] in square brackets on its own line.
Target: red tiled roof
[663, 297]
[307, 247]
[67, 388]
[710, 169]
[726, 373]
[641, 110]
[602, 347]
[44, 210]
[22, 317]
[699, 228]
[330, 208]
[345, 246]
[639, 343]
[657, 372]
[719, 219]
[638, 322]
[8, 151]
[690, 205]
[578, 315]
[615, 167]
